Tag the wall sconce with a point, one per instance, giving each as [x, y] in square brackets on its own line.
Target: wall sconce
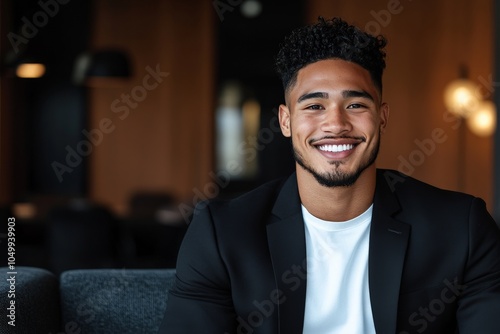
[462, 99]
[104, 64]
[23, 65]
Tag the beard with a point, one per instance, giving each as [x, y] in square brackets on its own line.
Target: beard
[338, 178]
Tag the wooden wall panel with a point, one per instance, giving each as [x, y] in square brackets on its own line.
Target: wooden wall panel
[428, 41]
[165, 142]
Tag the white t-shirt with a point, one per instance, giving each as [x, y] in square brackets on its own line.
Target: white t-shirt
[337, 295]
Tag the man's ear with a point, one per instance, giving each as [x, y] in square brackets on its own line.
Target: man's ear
[384, 116]
[284, 118]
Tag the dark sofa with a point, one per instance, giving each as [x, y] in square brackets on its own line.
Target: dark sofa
[85, 301]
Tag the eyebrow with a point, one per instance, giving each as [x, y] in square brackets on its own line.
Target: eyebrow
[357, 93]
[345, 94]
[313, 95]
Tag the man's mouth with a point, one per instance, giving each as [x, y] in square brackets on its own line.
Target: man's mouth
[336, 148]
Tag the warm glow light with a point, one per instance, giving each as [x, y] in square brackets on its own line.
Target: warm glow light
[483, 120]
[461, 97]
[30, 70]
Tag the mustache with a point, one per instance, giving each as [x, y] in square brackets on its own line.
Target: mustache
[357, 138]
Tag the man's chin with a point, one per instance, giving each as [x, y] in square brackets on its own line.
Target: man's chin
[337, 173]
[336, 179]
[333, 177]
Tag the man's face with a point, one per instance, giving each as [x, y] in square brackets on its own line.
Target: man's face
[334, 116]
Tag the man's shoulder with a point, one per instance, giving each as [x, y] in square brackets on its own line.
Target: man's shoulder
[415, 195]
[402, 184]
[262, 193]
[257, 201]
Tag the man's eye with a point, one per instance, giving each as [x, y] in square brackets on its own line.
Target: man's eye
[315, 107]
[355, 106]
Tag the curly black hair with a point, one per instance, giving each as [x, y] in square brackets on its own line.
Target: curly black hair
[330, 39]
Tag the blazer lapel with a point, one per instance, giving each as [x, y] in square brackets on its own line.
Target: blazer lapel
[286, 240]
[388, 244]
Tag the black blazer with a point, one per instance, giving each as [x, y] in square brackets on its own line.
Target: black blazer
[434, 263]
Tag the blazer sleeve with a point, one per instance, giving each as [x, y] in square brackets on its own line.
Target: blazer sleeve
[479, 303]
[200, 301]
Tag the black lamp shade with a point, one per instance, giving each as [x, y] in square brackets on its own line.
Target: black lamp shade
[109, 63]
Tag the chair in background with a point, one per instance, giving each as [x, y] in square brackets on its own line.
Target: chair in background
[146, 205]
[82, 235]
[152, 231]
[152, 245]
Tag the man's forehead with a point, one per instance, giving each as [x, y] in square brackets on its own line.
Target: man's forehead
[332, 75]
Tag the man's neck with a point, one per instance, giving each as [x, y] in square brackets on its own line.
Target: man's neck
[336, 203]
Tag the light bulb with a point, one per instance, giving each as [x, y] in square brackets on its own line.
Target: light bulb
[482, 121]
[461, 98]
[30, 70]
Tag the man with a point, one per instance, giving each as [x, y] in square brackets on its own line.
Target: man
[339, 247]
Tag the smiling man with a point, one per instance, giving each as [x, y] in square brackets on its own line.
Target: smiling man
[335, 117]
[338, 247]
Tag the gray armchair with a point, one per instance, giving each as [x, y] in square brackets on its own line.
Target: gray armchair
[88, 301]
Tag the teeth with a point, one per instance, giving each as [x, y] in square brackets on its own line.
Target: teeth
[336, 148]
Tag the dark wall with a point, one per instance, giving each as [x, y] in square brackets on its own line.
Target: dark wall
[49, 112]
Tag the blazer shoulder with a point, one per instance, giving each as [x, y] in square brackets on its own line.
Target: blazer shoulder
[250, 205]
[420, 199]
[403, 186]
[255, 197]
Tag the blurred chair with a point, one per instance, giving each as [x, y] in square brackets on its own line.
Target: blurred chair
[149, 205]
[153, 245]
[82, 235]
[153, 230]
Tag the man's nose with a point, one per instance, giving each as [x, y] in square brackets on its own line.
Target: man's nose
[336, 121]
